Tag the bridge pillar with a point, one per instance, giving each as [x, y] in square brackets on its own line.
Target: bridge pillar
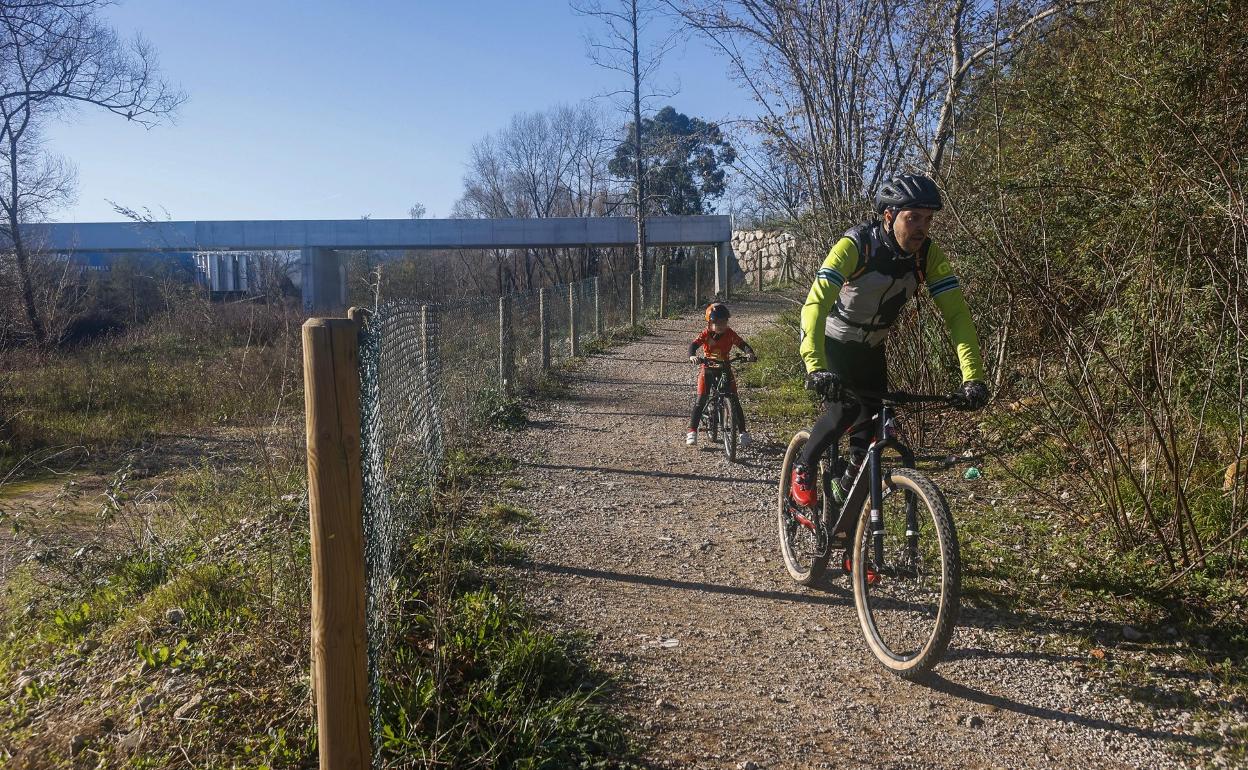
[324, 281]
[726, 269]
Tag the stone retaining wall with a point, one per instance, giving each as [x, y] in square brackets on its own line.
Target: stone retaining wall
[776, 251]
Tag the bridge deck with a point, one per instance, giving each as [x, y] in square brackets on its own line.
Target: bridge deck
[376, 234]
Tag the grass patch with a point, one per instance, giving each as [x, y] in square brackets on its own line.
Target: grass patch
[231, 365]
[494, 408]
[202, 593]
[477, 682]
[506, 513]
[612, 338]
[199, 366]
[194, 589]
[775, 384]
[1110, 609]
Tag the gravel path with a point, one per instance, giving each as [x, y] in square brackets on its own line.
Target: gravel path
[667, 557]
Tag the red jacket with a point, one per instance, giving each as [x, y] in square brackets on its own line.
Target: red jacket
[717, 346]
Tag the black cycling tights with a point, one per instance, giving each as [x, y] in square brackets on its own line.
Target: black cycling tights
[710, 375]
[860, 366]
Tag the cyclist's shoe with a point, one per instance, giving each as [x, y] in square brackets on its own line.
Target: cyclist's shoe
[744, 439]
[691, 438]
[802, 487]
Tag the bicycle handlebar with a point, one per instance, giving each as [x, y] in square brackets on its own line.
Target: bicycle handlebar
[717, 362]
[902, 398]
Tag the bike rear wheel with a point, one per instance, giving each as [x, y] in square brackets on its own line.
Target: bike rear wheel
[908, 600]
[805, 557]
[712, 419]
[728, 428]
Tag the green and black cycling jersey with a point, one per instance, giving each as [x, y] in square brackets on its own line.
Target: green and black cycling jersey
[864, 283]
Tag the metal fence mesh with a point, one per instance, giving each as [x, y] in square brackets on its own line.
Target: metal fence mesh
[432, 374]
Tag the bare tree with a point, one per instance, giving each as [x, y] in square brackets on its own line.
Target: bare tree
[620, 49]
[543, 164]
[852, 90]
[56, 55]
[834, 81]
[992, 32]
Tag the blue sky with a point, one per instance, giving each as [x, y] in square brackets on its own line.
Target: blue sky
[335, 109]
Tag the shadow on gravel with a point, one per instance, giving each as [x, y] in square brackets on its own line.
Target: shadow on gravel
[1106, 633]
[627, 383]
[940, 684]
[681, 362]
[580, 412]
[834, 594]
[980, 653]
[765, 450]
[651, 474]
[562, 425]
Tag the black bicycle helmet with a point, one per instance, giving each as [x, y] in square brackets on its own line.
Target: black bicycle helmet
[908, 191]
[717, 311]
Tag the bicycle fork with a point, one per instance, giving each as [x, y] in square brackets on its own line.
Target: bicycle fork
[877, 505]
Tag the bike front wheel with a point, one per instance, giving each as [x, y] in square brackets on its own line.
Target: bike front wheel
[728, 428]
[907, 574]
[801, 544]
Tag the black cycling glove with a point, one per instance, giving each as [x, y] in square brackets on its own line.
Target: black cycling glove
[974, 395]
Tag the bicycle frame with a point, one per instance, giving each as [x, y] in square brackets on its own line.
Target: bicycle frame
[718, 392]
[847, 518]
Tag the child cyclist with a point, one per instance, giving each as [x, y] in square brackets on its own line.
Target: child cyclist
[717, 342]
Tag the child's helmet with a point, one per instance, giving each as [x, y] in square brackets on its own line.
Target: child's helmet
[717, 311]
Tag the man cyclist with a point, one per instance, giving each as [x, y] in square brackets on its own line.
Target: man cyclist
[858, 294]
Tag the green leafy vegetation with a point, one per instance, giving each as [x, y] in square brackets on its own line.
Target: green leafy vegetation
[775, 383]
[478, 682]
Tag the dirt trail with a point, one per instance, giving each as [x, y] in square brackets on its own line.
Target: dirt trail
[667, 556]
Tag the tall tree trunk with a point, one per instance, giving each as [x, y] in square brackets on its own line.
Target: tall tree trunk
[638, 164]
[19, 249]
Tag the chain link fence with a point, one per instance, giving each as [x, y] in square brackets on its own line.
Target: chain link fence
[433, 374]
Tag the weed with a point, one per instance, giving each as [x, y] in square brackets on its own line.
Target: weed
[506, 513]
[496, 409]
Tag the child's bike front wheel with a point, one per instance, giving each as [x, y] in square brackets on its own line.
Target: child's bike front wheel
[712, 419]
[728, 428]
[907, 574]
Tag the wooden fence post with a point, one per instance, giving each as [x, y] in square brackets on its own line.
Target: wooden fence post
[543, 320]
[506, 352]
[632, 299]
[331, 379]
[760, 270]
[663, 291]
[697, 280]
[427, 344]
[597, 307]
[574, 349]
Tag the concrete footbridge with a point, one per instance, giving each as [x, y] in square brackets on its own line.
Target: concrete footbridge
[323, 272]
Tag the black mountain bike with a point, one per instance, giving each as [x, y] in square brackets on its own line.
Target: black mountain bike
[717, 418]
[897, 537]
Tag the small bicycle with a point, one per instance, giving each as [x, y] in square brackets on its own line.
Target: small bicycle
[898, 538]
[717, 419]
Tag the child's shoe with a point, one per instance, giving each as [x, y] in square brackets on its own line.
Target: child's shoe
[691, 438]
